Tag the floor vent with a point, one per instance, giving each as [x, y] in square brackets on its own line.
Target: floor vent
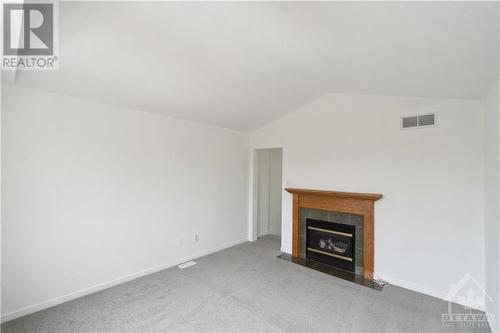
[187, 264]
[421, 120]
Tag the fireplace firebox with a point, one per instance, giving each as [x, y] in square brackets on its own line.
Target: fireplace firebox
[331, 243]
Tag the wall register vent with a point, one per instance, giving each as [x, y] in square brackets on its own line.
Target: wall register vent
[421, 120]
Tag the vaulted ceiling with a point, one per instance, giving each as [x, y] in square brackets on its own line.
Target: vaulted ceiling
[240, 65]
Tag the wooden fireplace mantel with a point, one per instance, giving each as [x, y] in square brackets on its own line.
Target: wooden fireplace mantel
[366, 196]
[343, 202]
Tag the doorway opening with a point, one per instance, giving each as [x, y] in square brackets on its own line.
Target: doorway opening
[268, 190]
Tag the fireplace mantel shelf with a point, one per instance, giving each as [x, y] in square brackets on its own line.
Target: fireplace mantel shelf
[352, 195]
[343, 202]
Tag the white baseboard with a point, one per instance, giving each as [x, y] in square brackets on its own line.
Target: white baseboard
[421, 289]
[405, 284]
[410, 286]
[58, 300]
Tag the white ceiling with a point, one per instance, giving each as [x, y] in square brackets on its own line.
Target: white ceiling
[240, 65]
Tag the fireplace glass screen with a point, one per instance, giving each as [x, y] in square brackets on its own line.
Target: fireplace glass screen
[331, 243]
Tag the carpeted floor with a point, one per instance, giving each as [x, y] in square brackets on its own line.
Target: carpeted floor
[244, 288]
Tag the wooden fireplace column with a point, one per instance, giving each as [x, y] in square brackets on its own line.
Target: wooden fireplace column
[343, 202]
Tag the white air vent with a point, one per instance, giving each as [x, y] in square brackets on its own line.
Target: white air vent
[420, 120]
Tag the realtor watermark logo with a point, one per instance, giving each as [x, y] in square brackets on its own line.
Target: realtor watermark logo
[472, 296]
[30, 35]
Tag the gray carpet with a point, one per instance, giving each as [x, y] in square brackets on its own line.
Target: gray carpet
[244, 288]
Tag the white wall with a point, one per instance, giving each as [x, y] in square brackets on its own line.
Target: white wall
[269, 191]
[263, 195]
[492, 202]
[95, 194]
[275, 190]
[429, 227]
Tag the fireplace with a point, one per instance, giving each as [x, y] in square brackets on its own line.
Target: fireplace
[334, 228]
[331, 243]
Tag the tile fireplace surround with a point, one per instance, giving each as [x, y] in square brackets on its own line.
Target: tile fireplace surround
[331, 202]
